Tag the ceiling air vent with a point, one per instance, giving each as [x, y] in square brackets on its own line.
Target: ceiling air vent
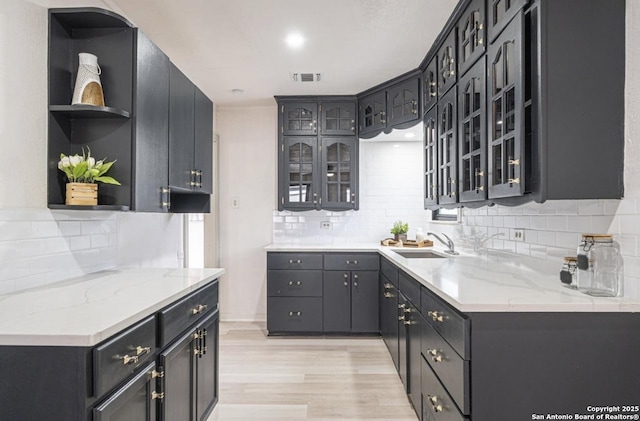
[305, 77]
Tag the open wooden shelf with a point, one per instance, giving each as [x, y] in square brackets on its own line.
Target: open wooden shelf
[93, 208]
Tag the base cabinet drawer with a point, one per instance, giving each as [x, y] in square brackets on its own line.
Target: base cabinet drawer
[437, 405]
[351, 261]
[136, 400]
[176, 318]
[119, 357]
[299, 261]
[294, 314]
[451, 369]
[294, 283]
[451, 325]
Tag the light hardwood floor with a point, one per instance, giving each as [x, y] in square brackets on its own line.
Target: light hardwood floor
[316, 378]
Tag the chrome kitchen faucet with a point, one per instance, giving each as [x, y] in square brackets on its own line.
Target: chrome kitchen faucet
[449, 243]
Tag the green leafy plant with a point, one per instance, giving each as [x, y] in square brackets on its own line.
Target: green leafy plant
[85, 168]
[400, 228]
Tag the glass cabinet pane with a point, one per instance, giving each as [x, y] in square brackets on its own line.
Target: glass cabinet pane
[332, 153]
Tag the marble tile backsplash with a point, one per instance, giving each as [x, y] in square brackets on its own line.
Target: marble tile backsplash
[42, 246]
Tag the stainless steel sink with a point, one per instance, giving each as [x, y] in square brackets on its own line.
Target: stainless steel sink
[422, 254]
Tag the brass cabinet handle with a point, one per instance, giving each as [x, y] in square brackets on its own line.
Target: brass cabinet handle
[157, 395]
[407, 322]
[294, 313]
[400, 318]
[436, 316]
[128, 360]
[140, 350]
[407, 310]
[387, 295]
[387, 285]
[291, 261]
[200, 308]
[514, 181]
[297, 283]
[435, 405]
[436, 356]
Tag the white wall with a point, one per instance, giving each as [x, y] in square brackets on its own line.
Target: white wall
[39, 246]
[248, 162]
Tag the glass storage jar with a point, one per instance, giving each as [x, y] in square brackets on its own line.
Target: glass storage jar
[599, 265]
[568, 274]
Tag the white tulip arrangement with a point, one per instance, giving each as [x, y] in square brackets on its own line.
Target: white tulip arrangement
[85, 169]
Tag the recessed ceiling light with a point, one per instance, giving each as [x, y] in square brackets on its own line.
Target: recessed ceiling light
[409, 135]
[237, 91]
[295, 40]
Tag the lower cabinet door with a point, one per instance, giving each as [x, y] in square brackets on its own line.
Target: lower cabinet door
[336, 303]
[389, 318]
[403, 360]
[132, 402]
[415, 357]
[178, 362]
[364, 302]
[207, 368]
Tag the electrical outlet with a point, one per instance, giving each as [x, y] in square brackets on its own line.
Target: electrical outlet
[235, 202]
[325, 225]
[518, 235]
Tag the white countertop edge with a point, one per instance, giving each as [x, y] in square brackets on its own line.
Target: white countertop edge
[539, 301]
[90, 339]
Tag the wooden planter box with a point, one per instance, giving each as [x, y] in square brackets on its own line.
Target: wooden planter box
[82, 194]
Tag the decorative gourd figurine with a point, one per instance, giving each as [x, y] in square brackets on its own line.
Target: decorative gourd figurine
[88, 88]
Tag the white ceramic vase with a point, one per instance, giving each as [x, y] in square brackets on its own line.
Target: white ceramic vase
[88, 88]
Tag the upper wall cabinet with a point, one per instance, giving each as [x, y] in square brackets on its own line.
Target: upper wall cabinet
[447, 69]
[300, 119]
[135, 124]
[338, 118]
[430, 86]
[318, 171]
[403, 102]
[472, 129]
[500, 13]
[506, 110]
[471, 35]
[395, 105]
[373, 112]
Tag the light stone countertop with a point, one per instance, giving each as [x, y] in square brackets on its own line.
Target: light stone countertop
[488, 282]
[84, 311]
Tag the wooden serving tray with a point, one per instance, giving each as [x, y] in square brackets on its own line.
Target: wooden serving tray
[408, 243]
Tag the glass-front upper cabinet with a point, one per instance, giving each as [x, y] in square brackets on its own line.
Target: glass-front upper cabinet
[402, 101]
[373, 112]
[339, 173]
[500, 13]
[447, 69]
[431, 158]
[472, 145]
[471, 35]
[430, 86]
[338, 118]
[447, 148]
[506, 109]
[299, 119]
[299, 167]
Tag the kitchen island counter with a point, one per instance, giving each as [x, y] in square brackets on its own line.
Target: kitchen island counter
[85, 310]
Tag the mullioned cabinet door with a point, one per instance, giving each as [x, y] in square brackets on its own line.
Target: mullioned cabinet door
[299, 119]
[505, 106]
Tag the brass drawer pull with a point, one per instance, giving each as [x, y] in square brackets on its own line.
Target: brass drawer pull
[291, 261]
[387, 295]
[156, 395]
[435, 316]
[199, 309]
[294, 313]
[435, 405]
[143, 350]
[436, 356]
[388, 286]
[298, 283]
[128, 360]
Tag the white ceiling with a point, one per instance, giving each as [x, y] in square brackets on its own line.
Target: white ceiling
[227, 44]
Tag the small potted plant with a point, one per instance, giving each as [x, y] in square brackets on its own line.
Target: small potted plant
[399, 230]
[82, 172]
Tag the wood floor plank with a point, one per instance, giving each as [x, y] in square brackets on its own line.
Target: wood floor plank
[306, 378]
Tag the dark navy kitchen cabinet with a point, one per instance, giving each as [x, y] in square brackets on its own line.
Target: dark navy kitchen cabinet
[350, 301]
[500, 13]
[394, 104]
[142, 126]
[447, 67]
[431, 158]
[447, 148]
[472, 37]
[430, 86]
[506, 142]
[472, 129]
[317, 169]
